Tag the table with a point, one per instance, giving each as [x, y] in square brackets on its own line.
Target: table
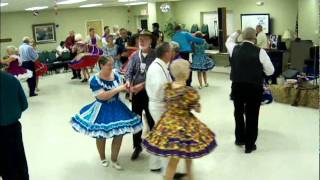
[221, 59]
[211, 52]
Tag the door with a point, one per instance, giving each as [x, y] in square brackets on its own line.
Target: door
[211, 18]
[97, 25]
[144, 24]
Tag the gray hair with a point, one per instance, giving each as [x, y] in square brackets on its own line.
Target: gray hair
[12, 48]
[78, 37]
[162, 49]
[249, 34]
[259, 26]
[175, 46]
[180, 69]
[26, 39]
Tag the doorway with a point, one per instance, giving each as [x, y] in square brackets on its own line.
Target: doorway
[97, 25]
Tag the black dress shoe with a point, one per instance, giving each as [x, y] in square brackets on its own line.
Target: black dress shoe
[84, 80]
[136, 153]
[74, 77]
[32, 95]
[250, 149]
[79, 77]
[239, 143]
[156, 170]
[178, 176]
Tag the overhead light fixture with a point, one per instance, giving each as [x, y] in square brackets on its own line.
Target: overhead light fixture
[165, 7]
[36, 8]
[135, 3]
[70, 2]
[125, 1]
[3, 4]
[90, 5]
[260, 3]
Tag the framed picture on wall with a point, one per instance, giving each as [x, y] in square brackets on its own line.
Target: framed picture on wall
[44, 33]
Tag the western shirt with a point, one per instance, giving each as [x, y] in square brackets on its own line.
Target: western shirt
[133, 74]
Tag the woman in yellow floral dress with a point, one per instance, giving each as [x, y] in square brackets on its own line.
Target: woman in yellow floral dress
[179, 134]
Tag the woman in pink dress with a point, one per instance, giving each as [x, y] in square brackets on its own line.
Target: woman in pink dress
[81, 49]
[14, 65]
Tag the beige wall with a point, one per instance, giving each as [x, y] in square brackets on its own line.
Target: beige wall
[16, 25]
[309, 20]
[283, 12]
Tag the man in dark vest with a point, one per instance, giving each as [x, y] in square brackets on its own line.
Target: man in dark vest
[249, 65]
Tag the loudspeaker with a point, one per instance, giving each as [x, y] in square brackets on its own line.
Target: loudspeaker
[314, 52]
[222, 20]
[275, 41]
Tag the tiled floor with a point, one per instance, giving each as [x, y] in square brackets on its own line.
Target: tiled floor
[288, 144]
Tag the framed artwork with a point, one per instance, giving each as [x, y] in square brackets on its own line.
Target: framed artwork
[44, 33]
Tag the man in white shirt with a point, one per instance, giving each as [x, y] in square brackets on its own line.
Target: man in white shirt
[249, 65]
[157, 77]
[60, 49]
[262, 39]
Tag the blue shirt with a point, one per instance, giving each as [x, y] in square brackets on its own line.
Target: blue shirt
[185, 39]
[27, 53]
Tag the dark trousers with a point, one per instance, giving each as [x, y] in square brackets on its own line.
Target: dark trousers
[13, 163]
[76, 73]
[247, 100]
[185, 55]
[140, 102]
[31, 81]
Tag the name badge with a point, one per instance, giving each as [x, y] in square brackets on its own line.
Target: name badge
[143, 67]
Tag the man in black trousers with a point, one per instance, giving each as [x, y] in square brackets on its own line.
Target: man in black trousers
[249, 65]
[29, 56]
[135, 79]
[13, 163]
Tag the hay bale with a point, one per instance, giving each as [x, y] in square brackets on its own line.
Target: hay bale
[308, 97]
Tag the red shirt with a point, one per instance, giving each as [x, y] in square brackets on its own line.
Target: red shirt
[70, 42]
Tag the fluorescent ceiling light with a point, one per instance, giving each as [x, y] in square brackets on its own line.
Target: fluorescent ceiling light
[125, 1]
[3, 4]
[260, 3]
[135, 3]
[90, 5]
[70, 2]
[36, 8]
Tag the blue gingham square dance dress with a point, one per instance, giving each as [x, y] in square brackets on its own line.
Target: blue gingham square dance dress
[105, 119]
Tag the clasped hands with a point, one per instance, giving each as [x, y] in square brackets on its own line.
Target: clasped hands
[134, 89]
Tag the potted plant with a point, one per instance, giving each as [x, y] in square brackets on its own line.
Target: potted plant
[169, 29]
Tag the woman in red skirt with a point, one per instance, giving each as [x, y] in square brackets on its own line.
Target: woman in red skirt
[41, 69]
